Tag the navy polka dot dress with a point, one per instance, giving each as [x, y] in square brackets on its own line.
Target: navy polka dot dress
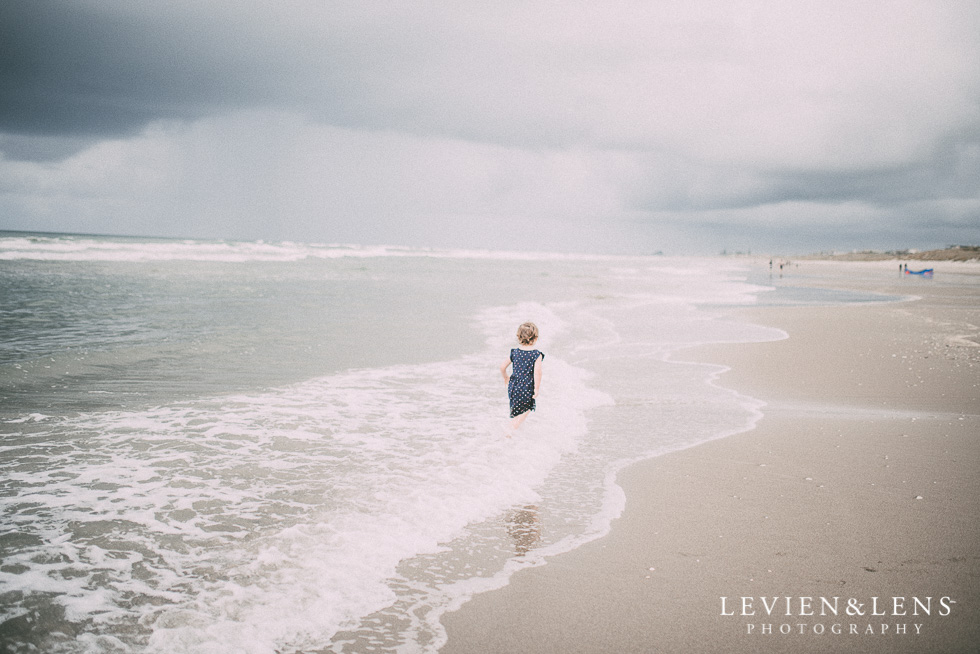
[520, 388]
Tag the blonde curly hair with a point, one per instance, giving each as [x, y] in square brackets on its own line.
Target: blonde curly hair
[527, 333]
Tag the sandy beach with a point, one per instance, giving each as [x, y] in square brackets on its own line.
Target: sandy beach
[854, 501]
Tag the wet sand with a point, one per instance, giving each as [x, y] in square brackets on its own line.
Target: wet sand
[861, 481]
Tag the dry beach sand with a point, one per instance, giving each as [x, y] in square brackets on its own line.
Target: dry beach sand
[861, 481]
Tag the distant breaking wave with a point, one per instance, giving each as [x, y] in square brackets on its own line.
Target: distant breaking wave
[112, 248]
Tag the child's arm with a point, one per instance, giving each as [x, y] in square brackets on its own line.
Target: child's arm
[537, 375]
[503, 370]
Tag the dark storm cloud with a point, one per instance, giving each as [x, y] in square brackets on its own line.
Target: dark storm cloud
[32, 147]
[101, 69]
[86, 69]
[745, 81]
[68, 69]
[951, 173]
[426, 121]
[108, 67]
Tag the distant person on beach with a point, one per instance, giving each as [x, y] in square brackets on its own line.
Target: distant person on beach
[525, 382]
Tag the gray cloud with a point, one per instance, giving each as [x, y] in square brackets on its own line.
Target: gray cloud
[621, 125]
[107, 69]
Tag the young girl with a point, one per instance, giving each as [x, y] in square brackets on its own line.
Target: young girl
[524, 384]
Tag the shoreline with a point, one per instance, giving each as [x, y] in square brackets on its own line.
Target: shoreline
[860, 481]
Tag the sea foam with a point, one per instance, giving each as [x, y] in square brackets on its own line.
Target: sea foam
[345, 510]
[268, 522]
[122, 249]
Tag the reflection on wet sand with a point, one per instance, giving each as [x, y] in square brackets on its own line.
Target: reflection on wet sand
[525, 528]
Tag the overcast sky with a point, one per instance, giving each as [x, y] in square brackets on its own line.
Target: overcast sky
[777, 126]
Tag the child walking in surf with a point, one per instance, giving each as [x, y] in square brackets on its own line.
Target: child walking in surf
[525, 382]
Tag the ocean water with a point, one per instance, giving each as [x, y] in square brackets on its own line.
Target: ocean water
[283, 447]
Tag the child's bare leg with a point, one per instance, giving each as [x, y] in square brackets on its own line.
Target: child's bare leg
[519, 420]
